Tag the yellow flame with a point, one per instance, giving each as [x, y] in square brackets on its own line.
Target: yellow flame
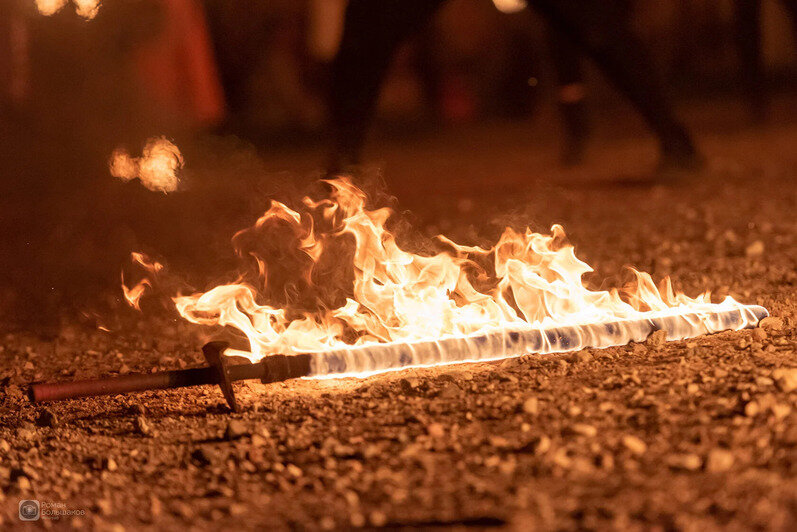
[157, 168]
[339, 278]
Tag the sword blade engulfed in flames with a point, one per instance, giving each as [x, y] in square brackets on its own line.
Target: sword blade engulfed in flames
[332, 280]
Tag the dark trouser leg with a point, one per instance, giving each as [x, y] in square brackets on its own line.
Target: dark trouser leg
[373, 31]
[601, 28]
[748, 44]
[571, 91]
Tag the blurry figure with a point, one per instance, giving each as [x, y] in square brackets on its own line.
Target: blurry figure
[269, 48]
[748, 43]
[177, 70]
[14, 58]
[571, 93]
[374, 30]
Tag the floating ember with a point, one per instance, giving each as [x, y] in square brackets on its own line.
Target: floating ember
[397, 309]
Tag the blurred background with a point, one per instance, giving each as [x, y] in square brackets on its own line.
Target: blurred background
[250, 80]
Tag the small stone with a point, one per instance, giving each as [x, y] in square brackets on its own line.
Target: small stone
[357, 520]
[584, 430]
[378, 519]
[639, 349]
[5, 447]
[756, 249]
[580, 357]
[531, 406]
[23, 483]
[499, 442]
[26, 433]
[104, 506]
[142, 426]
[540, 445]
[719, 461]
[759, 334]
[155, 507]
[634, 444]
[771, 323]
[436, 430]
[450, 391]
[109, 464]
[293, 471]
[408, 386]
[202, 456]
[47, 418]
[780, 410]
[656, 338]
[183, 510]
[786, 379]
[751, 409]
[686, 461]
[235, 429]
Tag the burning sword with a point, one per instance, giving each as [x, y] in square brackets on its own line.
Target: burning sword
[495, 344]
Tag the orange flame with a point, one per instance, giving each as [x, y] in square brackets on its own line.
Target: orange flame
[133, 295]
[157, 168]
[339, 278]
[85, 8]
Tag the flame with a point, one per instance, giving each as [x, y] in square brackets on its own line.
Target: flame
[85, 8]
[332, 276]
[133, 295]
[157, 168]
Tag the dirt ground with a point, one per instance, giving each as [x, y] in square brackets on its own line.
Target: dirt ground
[694, 435]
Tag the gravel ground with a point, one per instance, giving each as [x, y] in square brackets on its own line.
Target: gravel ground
[696, 435]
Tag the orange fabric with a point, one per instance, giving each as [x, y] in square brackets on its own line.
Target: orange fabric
[177, 68]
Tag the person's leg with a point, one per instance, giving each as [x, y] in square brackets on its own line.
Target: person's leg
[747, 25]
[602, 29]
[571, 92]
[373, 31]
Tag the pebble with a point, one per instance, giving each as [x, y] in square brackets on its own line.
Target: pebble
[408, 386]
[436, 430]
[450, 391]
[26, 433]
[202, 456]
[531, 406]
[656, 338]
[584, 430]
[686, 461]
[581, 357]
[719, 461]
[142, 426]
[751, 409]
[786, 379]
[377, 519]
[47, 418]
[772, 323]
[759, 334]
[634, 444]
[541, 445]
[235, 429]
[756, 249]
[5, 447]
[23, 483]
